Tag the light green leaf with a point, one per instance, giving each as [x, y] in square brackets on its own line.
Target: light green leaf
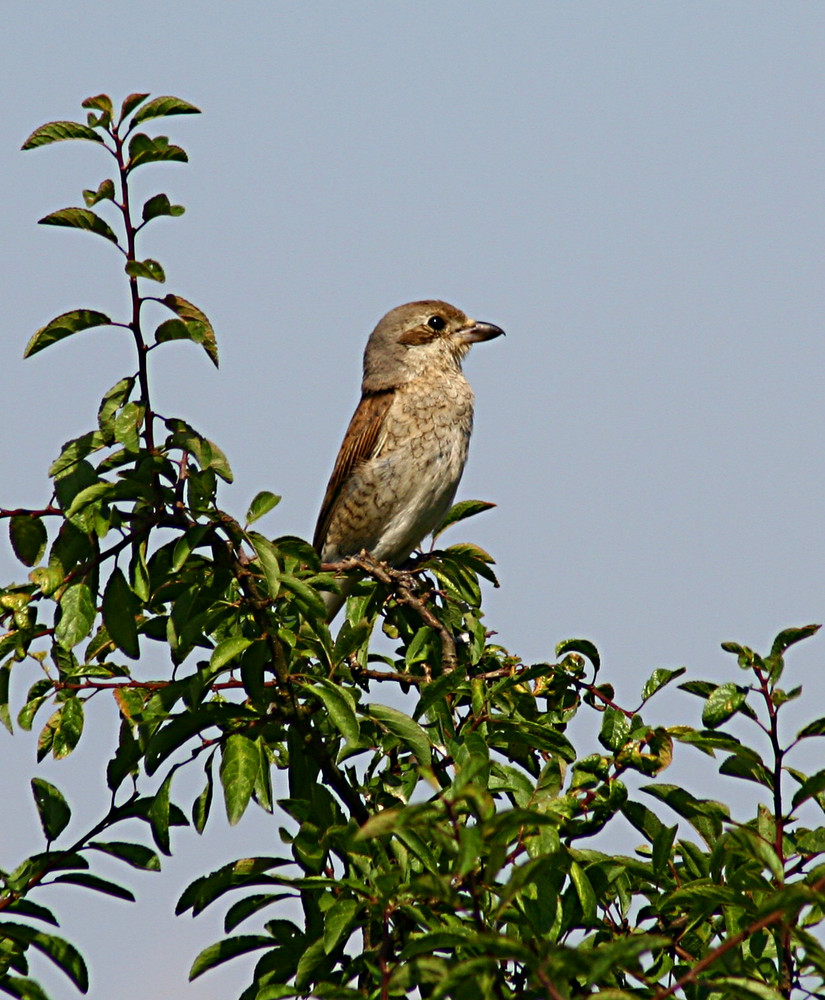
[145, 269]
[105, 192]
[339, 918]
[402, 726]
[341, 707]
[724, 702]
[460, 511]
[77, 616]
[239, 770]
[268, 558]
[226, 651]
[262, 503]
[658, 679]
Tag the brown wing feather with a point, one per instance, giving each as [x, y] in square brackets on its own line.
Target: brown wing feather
[358, 446]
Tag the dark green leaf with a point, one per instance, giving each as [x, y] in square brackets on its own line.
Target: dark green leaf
[226, 949]
[160, 205]
[131, 102]
[145, 269]
[64, 955]
[120, 608]
[789, 636]
[262, 503]
[97, 884]
[159, 814]
[80, 218]
[268, 558]
[582, 646]
[110, 404]
[77, 616]
[101, 102]
[202, 333]
[724, 702]
[105, 192]
[810, 787]
[239, 771]
[815, 728]
[161, 107]
[59, 131]
[615, 729]
[135, 855]
[52, 808]
[460, 511]
[63, 730]
[143, 149]
[28, 538]
[64, 326]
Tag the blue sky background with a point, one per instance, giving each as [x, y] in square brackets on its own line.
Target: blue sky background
[634, 191]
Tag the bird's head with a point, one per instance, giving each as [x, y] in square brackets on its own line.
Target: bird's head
[419, 337]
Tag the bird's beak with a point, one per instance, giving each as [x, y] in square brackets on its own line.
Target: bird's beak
[476, 332]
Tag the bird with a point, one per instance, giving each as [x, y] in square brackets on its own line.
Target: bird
[404, 451]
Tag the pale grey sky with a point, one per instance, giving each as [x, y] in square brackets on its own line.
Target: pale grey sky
[634, 191]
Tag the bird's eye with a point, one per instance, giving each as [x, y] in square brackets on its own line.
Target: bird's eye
[436, 322]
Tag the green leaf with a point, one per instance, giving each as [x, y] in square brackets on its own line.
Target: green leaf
[28, 538]
[97, 884]
[58, 132]
[339, 918]
[143, 149]
[239, 770]
[658, 679]
[615, 729]
[120, 608]
[585, 893]
[127, 426]
[403, 727]
[203, 803]
[268, 558]
[159, 814]
[724, 702]
[226, 651]
[130, 103]
[101, 102]
[52, 808]
[341, 707]
[815, 728]
[161, 107]
[704, 815]
[135, 855]
[77, 615]
[187, 543]
[262, 503]
[228, 948]
[202, 333]
[145, 269]
[105, 192]
[810, 787]
[789, 636]
[64, 326]
[160, 205]
[110, 404]
[80, 218]
[583, 646]
[460, 511]
[62, 732]
[64, 955]
[5, 714]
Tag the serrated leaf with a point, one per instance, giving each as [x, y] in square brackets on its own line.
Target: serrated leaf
[52, 808]
[148, 268]
[127, 425]
[722, 703]
[135, 855]
[262, 503]
[59, 132]
[120, 608]
[80, 218]
[105, 192]
[341, 707]
[162, 107]
[96, 883]
[130, 103]
[187, 312]
[77, 615]
[64, 955]
[402, 726]
[64, 326]
[159, 205]
[239, 770]
[144, 149]
[28, 538]
[460, 511]
[226, 651]
[658, 679]
[226, 949]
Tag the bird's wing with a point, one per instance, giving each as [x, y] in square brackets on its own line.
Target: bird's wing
[359, 445]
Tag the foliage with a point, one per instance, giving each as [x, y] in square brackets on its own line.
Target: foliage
[445, 850]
